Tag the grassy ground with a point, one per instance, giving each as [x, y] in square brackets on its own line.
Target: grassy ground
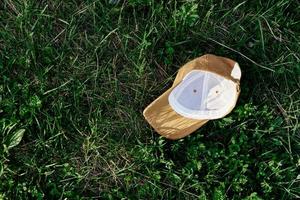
[76, 76]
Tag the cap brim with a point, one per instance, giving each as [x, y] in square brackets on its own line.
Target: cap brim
[167, 122]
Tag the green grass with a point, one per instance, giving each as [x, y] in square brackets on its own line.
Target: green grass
[76, 76]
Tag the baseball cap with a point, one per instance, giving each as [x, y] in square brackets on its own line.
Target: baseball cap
[204, 89]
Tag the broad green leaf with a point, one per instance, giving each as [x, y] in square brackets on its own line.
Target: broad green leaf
[16, 138]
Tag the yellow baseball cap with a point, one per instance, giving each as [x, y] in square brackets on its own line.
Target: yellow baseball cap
[205, 88]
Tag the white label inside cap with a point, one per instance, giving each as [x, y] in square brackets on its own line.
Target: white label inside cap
[236, 71]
